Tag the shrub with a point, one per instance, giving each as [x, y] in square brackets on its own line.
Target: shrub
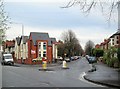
[97, 52]
[118, 54]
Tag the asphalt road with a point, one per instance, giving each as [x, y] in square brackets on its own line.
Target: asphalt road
[13, 76]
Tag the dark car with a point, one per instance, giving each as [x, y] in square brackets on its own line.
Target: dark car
[92, 60]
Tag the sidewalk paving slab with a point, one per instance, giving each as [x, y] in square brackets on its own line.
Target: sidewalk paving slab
[104, 75]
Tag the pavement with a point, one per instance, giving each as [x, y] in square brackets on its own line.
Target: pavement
[104, 75]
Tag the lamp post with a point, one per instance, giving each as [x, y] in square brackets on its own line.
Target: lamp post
[22, 38]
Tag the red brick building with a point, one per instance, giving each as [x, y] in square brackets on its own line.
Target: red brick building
[39, 46]
[8, 46]
[97, 46]
[104, 45]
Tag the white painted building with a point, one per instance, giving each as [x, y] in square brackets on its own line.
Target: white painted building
[55, 51]
[17, 48]
[24, 47]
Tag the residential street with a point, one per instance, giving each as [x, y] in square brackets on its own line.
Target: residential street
[20, 76]
[59, 44]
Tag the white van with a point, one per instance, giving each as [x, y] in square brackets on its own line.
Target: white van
[7, 59]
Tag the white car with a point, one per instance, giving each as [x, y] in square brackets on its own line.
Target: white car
[60, 58]
[67, 59]
[7, 59]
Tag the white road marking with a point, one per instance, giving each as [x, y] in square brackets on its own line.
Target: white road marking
[81, 77]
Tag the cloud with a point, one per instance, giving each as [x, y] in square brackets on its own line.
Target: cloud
[49, 17]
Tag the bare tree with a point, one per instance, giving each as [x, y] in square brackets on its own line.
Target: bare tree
[88, 47]
[71, 44]
[3, 21]
[107, 7]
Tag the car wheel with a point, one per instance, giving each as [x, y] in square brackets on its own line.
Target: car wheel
[2, 63]
[11, 63]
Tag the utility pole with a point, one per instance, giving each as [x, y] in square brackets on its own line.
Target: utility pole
[23, 43]
[22, 38]
[118, 15]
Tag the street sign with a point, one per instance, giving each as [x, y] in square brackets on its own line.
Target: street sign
[33, 52]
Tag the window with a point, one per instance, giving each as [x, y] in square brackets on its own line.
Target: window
[39, 45]
[117, 37]
[44, 45]
[39, 53]
[112, 43]
[117, 42]
[44, 54]
[39, 49]
[112, 39]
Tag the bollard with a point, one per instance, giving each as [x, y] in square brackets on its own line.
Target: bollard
[44, 65]
[64, 66]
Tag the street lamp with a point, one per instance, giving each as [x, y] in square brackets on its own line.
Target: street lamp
[22, 37]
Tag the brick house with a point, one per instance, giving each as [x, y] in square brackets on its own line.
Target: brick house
[36, 47]
[115, 39]
[97, 46]
[104, 45]
[8, 46]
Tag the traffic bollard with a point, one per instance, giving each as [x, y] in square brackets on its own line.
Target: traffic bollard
[64, 66]
[44, 65]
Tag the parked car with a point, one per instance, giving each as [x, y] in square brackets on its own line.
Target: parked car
[67, 59]
[72, 59]
[76, 57]
[87, 57]
[60, 58]
[7, 59]
[92, 60]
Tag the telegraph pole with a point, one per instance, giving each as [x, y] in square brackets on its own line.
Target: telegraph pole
[22, 38]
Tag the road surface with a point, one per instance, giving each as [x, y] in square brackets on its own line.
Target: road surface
[14, 76]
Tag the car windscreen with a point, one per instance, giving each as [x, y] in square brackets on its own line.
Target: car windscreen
[8, 57]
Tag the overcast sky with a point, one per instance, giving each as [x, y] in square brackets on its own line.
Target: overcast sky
[47, 16]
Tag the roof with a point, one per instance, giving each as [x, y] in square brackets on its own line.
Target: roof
[51, 41]
[117, 33]
[25, 38]
[18, 40]
[42, 36]
[39, 36]
[10, 43]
